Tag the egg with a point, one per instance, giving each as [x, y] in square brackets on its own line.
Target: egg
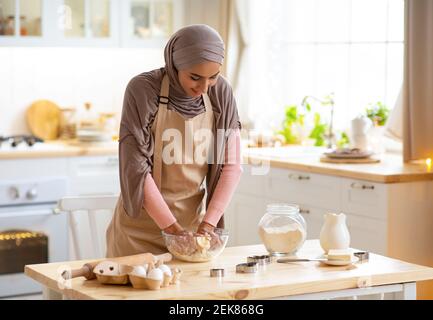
[139, 271]
[156, 274]
[165, 269]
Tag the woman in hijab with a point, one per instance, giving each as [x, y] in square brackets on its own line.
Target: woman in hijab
[179, 147]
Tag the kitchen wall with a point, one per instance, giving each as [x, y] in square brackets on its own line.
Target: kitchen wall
[68, 77]
[72, 76]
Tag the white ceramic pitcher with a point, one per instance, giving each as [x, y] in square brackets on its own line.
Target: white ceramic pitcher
[360, 127]
[334, 233]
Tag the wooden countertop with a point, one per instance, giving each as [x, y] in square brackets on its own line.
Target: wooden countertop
[54, 149]
[275, 280]
[390, 169]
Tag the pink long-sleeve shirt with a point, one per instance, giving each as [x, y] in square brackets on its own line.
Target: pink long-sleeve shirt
[158, 209]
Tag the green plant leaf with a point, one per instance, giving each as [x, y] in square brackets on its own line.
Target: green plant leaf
[319, 130]
[378, 113]
[344, 141]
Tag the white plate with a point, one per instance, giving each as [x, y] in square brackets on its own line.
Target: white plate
[340, 262]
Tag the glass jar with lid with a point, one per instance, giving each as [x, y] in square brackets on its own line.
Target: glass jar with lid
[282, 229]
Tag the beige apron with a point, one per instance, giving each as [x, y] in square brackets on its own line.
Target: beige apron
[182, 183]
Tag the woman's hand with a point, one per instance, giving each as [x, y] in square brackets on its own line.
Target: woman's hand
[183, 243]
[175, 229]
[205, 228]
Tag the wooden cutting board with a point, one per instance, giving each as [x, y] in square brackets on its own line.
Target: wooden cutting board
[43, 119]
[347, 160]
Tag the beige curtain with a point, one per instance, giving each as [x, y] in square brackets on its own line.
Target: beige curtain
[225, 24]
[418, 81]
[238, 44]
[394, 125]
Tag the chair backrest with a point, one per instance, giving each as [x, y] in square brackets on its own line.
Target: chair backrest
[91, 205]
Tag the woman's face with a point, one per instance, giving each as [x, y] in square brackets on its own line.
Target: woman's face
[196, 80]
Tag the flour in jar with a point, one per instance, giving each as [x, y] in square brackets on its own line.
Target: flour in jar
[283, 239]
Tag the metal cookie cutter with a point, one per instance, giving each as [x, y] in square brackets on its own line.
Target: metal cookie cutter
[261, 260]
[363, 256]
[250, 267]
[217, 273]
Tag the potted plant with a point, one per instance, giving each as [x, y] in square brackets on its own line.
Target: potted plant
[322, 132]
[296, 128]
[293, 125]
[378, 113]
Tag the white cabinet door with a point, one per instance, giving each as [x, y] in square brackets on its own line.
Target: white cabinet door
[94, 175]
[149, 23]
[87, 22]
[252, 182]
[302, 187]
[367, 234]
[314, 218]
[364, 198]
[33, 168]
[28, 29]
[245, 214]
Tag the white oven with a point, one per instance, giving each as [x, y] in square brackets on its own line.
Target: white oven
[31, 230]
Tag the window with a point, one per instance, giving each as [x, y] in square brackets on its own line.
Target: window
[353, 48]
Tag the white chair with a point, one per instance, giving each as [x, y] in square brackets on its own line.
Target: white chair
[90, 205]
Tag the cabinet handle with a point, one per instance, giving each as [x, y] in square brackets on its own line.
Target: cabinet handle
[356, 185]
[304, 211]
[298, 177]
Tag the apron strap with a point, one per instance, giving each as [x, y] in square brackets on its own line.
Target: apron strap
[157, 153]
[207, 103]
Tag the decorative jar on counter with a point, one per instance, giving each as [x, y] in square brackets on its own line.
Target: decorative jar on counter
[282, 229]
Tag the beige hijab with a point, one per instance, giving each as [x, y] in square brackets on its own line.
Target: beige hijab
[187, 47]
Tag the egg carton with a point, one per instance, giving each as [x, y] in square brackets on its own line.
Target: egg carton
[148, 277]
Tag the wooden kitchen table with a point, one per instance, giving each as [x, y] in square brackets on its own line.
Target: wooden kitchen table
[300, 280]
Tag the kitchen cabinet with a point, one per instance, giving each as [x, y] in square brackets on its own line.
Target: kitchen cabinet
[373, 209]
[243, 228]
[30, 18]
[88, 23]
[149, 22]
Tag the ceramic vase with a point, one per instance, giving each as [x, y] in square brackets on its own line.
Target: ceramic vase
[334, 233]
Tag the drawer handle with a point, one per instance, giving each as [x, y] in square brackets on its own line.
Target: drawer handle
[298, 177]
[304, 211]
[361, 186]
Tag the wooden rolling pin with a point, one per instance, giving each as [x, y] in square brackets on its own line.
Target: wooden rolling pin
[139, 259]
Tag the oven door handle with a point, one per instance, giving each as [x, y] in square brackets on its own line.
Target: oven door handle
[30, 213]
